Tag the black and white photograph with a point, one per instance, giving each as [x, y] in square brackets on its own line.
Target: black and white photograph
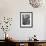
[26, 19]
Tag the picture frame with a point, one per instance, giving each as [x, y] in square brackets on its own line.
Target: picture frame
[26, 19]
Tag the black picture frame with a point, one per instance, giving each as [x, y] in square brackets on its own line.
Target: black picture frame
[26, 19]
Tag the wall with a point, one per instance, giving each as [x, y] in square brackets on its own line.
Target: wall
[12, 8]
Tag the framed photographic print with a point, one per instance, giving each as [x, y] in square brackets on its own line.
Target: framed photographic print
[26, 19]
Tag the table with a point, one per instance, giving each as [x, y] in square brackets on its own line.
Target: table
[28, 43]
